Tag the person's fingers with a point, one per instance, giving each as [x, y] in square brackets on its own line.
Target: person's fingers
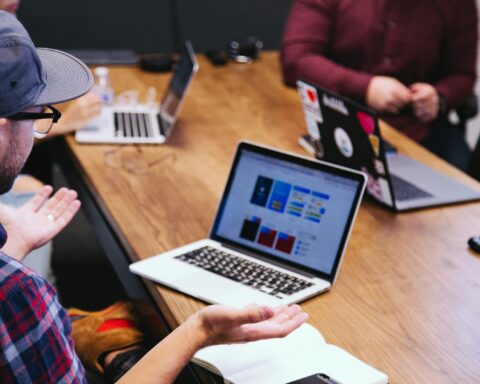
[40, 197]
[67, 215]
[422, 104]
[253, 315]
[95, 109]
[392, 107]
[292, 324]
[425, 115]
[279, 309]
[269, 329]
[415, 87]
[403, 97]
[90, 99]
[287, 314]
[423, 97]
[54, 200]
[419, 98]
[63, 204]
[59, 202]
[420, 113]
[424, 108]
[402, 94]
[93, 103]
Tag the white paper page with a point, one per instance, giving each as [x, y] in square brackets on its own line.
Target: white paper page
[230, 359]
[319, 358]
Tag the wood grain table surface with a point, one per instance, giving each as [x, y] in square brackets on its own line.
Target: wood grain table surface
[407, 299]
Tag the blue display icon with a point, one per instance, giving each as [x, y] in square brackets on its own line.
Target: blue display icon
[279, 197]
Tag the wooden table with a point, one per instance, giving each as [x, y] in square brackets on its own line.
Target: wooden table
[407, 300]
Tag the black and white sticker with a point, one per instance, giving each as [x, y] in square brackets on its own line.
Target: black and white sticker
[343, 141]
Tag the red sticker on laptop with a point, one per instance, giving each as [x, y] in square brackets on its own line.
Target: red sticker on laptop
[312, 95]
[311, 104]
[366, 121]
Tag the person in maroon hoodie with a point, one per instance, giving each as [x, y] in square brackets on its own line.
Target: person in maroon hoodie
[412, 61]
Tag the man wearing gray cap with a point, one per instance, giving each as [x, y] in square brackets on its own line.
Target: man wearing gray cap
[36, 343]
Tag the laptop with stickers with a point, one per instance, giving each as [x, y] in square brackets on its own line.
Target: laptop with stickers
[344, 132]
[142, 123]
[279, 235]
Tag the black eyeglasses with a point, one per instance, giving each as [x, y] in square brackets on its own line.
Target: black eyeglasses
[54, 115]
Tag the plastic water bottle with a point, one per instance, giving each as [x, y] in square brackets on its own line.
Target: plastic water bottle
[103, 87]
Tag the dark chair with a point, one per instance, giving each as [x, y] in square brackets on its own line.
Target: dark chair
[474, 165]
[466, 112]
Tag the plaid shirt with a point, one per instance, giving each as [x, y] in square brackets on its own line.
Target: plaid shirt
[36, 344]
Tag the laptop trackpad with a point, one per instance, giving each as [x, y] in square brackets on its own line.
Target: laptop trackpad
[204, 285]
[222, 291]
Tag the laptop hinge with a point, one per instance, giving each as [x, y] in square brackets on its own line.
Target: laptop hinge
[268, 260]
[160, 124]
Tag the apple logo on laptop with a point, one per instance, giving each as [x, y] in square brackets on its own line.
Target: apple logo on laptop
[343, 141]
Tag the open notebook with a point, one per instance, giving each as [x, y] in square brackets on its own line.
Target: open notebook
[302, 353]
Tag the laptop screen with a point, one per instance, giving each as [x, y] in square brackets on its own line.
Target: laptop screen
[186, 69]
[288, 208]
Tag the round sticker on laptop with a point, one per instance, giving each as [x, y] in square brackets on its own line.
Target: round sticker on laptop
[343, 142]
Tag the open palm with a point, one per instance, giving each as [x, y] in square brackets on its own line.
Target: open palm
[225, 325]
[38, 220]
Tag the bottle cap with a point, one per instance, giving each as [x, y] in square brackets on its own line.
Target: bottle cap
[101, 71]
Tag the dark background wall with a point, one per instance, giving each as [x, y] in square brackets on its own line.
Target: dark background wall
[149, 26]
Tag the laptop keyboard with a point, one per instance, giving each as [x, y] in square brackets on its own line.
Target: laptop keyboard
[405, 191]
[257, 276]
[128, 124]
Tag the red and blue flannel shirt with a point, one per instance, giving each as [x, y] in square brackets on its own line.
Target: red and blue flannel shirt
[36, 344]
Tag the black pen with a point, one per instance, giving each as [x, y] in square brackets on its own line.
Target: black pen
[474, 243]
[328, 379]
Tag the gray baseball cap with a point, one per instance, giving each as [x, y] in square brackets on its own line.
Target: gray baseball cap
[32, 76]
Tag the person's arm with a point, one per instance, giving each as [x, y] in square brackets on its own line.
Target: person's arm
[212, 325]
[458, 62]
[37, 221]
[36, 345]
[308, 34]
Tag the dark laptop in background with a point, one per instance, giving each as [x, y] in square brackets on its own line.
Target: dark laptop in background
[347, 133]
[279, 235]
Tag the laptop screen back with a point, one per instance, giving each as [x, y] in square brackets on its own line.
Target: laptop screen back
[347, 134]
[175, 93]
[288, 208]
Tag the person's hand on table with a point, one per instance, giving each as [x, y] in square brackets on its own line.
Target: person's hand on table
[38, 220]
[77, 114]
[425, 101]
[225, 325]
[387, 95]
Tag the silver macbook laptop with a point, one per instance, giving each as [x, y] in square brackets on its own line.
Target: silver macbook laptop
[279, 235]
[144, 124]
[346, 133]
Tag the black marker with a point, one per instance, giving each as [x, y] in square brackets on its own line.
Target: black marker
[318, 378]
[474, 243]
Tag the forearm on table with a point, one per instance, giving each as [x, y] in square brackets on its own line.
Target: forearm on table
[166, 360]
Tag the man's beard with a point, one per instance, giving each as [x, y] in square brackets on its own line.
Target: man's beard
[10, 168]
